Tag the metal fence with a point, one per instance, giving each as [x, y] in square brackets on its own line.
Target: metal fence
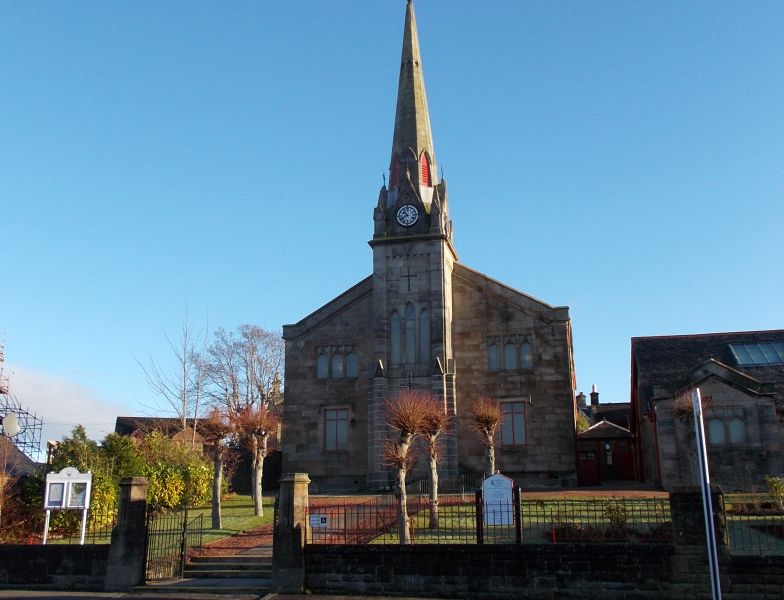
[755, 524]
[171, 537]
[466, 519]
[25, 526]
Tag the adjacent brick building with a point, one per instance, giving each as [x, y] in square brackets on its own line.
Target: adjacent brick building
[425, 321]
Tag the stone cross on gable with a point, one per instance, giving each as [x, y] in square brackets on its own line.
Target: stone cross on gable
[408, 276]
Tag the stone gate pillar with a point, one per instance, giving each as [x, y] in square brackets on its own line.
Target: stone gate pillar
[125, 567]
[290, 534]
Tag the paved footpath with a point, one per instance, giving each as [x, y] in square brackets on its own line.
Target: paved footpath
[57, 595]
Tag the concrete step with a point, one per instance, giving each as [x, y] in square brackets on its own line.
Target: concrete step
[227, 573]
[234, 559]
[236, 587]
[223, 567]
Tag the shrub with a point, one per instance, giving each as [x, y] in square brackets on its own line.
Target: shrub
[776, 490]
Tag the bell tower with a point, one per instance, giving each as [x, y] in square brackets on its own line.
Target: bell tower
[413, 258]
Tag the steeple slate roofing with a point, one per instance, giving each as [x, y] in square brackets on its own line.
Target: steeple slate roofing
[412, 119]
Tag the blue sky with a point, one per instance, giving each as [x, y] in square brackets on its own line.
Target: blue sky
[624, 159]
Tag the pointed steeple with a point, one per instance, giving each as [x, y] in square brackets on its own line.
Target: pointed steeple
[413, 155]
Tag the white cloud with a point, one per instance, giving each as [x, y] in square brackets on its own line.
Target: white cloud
[62, 404]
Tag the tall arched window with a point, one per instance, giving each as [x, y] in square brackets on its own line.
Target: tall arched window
[351, 365]
[493, 357]
[424, 335]
[394, 338]
[510, 356]
[337, 366]
[322, 366]
[526, 356]
[410, 334]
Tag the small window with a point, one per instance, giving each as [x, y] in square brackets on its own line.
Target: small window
[337, 366]
[394, 338]
[322, 366]
[526, 356]
[351, 365]
[510, 357]
[335, 429]
[716, 431]
[513, 425]
[737, 430]
[493, 357]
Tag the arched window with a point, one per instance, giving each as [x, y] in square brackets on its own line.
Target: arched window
[526, 356]
[410, 334]
[322, 366]
[394, 338]
[425, 170]
[737, 430]
[510, 356]
[351, 365]
[424, 335]
[337, 366]
[716, 431]
[493, 357]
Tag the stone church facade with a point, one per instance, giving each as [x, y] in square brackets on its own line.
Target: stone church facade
[422, 320]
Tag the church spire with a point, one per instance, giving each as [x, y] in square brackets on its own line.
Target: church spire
[413, 156]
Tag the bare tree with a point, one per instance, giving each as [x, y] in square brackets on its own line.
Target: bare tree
[245, 378]
[181, 387]
[405, 415]
[486, 416]
[433, 425]
[217, 427]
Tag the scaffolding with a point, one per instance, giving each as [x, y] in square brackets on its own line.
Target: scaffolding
[28, 440]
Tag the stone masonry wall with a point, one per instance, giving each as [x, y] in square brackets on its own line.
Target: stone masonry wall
[61, 567]
[539, 572]
[346, 330]
[485, 309]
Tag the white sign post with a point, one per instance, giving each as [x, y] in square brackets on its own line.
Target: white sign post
[707, 504]
[68, 490]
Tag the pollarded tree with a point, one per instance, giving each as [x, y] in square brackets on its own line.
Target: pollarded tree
[486, 416]
[216, 428]
[406, 415]
[254, 425]
[433, 426]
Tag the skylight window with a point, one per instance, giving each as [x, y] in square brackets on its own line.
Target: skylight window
[763, 353]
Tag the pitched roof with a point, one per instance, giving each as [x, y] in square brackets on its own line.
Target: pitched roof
[604, 429]
[17, 463]
[168, 425]
[667, 360]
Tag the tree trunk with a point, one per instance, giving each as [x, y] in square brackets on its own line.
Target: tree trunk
[259, 452]
[217, 484]
[403, 529]
[433, 487]
[490, 455]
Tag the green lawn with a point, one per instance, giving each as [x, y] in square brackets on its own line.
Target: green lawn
[237, 516]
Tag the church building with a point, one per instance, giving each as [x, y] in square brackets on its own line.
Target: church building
[422, 320]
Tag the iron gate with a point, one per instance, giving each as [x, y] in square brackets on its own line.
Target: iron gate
[170, 537]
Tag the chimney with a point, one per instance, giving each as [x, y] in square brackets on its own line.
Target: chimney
[581, 400]
[594, 396]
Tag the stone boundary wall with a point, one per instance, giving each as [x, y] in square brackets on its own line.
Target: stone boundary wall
[538, 572]
[54, 566]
